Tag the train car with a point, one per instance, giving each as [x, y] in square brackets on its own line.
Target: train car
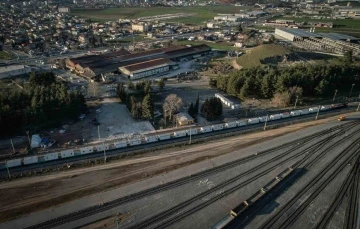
[85, 150]
[51, 156]
[163, 136]
[238, 209]
[305, 111]
[338, 105]
[313, 109]
[180, 133]
[67, 153]
[241, 122]
[151, 138]
[285, 115]
[264, 118]
[134, 142]
[253, 120]
[295, 113]
[325, 108]
[120, 144]
[275, 117]
[217, 127]
[192, 131]
[205, 129]
[30, 160]
[230, 124]
[13, 163]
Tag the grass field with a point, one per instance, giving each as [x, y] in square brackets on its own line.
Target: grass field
[220, 46]
[253, 58]
[201, 13]
[5, 56]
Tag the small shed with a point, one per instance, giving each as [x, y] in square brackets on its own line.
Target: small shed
[184, 119]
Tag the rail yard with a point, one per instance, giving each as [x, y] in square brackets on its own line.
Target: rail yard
[309, 177]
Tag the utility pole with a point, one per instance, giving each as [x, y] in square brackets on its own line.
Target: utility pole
[266, 121]
[335, 95]
[12, 145]
[296, 101]
[190, 137]
[352, 86]
[27, 132]
[7, 168]
[317, 114]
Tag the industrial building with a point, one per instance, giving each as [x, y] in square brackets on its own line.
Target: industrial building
[14, 70]
[325, 42]
[130, 64]
[230, 102]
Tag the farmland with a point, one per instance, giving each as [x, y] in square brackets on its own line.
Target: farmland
[201, 13]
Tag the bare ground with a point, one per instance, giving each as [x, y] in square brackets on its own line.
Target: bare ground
[28, 195]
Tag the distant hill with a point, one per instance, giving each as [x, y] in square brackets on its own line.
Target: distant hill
[256, 55]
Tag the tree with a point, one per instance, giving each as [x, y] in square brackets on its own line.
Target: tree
[211, 108]
[136, 110]
[147, 87]
[196, 107]
[281, 99]
[295, 92]
[172, 105]
[131, 85]
[191, 110]
[121, 93]
[161, 84]
[348, 57]
[240, 29]
[147, 107]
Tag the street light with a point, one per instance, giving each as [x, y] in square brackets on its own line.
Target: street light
[352, 86]
[335, 95]
[296, 101]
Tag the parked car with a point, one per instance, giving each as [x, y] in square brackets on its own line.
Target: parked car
[82, 116]
[98, 111]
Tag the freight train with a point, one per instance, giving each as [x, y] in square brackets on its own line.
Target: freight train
[165, 136]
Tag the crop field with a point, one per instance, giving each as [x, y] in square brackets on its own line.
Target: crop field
[201, 13]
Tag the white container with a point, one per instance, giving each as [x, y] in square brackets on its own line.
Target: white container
[51, 156]
[313, 109]
[180, 133]
[264, 118]
[217, 127]
[31, 160]
[253, 120]
[205, 129]
[163, 136]
[285, 115]
[193, 131]
[305, 111]
[13, 163]
[67, 153]
[325, 108]
[121, 144]
[86, 150]
[230, 124]
[135, 142]
[295, 113]
[241, 122]
[151, 138]
[275, 117]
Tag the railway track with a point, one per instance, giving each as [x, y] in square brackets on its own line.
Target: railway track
[290, 220]
[106, 206]
[340, 196]
[352, 209]
[167, 213]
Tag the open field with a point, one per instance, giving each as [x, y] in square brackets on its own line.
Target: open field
[253, 58]
[202, 13]
[5, 56]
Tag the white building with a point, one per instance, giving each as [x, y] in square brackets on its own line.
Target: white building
[232, 104]
[14, 70]
[142, 27]
[63, 9]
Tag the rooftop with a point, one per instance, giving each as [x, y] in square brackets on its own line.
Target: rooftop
[147, 64]
[182, 116]
[299, 32]
[338, 36]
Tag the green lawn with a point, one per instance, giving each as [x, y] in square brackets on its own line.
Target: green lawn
[253, 58]
[202, 13]
[5, 56]
[220, 46]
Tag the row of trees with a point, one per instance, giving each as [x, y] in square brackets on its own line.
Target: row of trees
[212, 108]
[194, 109]
[42, 103]
[315, 80]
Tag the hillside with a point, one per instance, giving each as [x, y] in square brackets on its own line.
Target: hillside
[255, 56]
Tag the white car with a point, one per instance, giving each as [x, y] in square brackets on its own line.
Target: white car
[98, 111]
[81, 117]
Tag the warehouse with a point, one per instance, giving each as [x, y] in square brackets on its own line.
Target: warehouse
[97, 65]
[14, 70]
[228, 101]
[147, 68]
[295, 34]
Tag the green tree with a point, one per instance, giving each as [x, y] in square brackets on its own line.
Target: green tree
[348, 57]
[136, 110]
[121, 93]
[211, 108]
[191, 110]
[161, 84]
[131, 85]
[196, 106]
[147, 107]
